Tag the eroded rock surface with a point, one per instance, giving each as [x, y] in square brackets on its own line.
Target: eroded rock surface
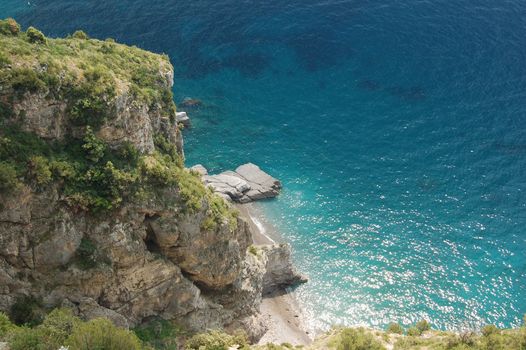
[248, 183]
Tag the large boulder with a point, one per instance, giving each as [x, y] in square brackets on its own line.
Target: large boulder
[280, 272]
[248, 183]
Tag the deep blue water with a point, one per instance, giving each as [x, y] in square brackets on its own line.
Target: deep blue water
[397, 128]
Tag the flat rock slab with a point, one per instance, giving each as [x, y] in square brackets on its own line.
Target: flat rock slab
[248, 183]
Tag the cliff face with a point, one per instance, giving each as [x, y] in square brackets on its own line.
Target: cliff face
[85, 224]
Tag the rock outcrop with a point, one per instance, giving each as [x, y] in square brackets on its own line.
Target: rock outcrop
[146, 255]
[248, 183]
[280, 272]
[182, 118]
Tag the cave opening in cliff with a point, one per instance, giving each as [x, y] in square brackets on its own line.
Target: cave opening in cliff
[150, 240]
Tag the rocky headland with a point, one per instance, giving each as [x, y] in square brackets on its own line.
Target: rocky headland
[99, 213]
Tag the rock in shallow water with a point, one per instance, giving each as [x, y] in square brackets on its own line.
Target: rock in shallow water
[248, 183]
[182, 118]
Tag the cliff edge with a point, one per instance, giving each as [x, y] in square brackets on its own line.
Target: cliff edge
[97, 211]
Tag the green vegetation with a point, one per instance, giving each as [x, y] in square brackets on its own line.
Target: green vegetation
[86, 254]
[35, 36]
[394, 328]
[27, 310]
[252, 249]
[355, 339]
[160, 334]
[9, 27]
[79, 34]
[61, 328]
[216, 340]
[86, 74]
[102, 334]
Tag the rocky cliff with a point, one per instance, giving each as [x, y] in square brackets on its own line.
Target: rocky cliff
[97, 210]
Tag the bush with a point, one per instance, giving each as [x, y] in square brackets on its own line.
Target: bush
[489, 330]
[216, 340]
[50, 335]
[5, 110]
[89, 99]
[413, 332]
[102, 334]
[8, 178]
[5, 325]
[395, 328]
[79, 34]
[86, 257]
[39, 170]
[423, 326]
[25, 338]
[355, 339]
[35, 36]
[158, 333]
[27, 310]
[26, 80]
[9, 27]
[93, 146]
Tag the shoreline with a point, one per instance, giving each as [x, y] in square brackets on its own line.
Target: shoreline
[280, 311]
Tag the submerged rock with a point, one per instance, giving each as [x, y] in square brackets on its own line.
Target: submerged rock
[191, 103]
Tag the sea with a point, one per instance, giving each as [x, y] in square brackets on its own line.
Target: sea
[398, 130]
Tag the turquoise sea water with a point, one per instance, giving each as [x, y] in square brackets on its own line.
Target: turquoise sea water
[396, 127]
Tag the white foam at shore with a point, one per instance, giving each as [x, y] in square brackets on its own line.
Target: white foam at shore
[261, 227]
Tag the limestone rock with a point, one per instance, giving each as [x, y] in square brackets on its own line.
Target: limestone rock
[182, 118]
[89, 309]
[246, 184]
[199, 169]
[279, 270]
[262, 185]
[227, 183]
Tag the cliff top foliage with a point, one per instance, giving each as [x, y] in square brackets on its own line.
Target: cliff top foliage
[79, 68]
[86, 74]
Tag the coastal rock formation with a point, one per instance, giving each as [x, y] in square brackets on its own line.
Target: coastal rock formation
[182, 118]
[280, 273]
[113, 225]
[198, 168]
[248, 183]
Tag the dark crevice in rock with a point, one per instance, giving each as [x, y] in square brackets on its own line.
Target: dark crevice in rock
[150, 240]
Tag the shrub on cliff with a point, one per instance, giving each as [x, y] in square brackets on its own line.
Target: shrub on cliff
[39, 170]
[5, 325]
[26, 80]
[27, 310]
[9, 26]
[89, 104]
[102, 334]
[159, 334]
[216, 340]
[51, 334]
[35, 36]
[79, 34]
[395, 328]
[8, 178]
[355, 339]
[422, 326]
